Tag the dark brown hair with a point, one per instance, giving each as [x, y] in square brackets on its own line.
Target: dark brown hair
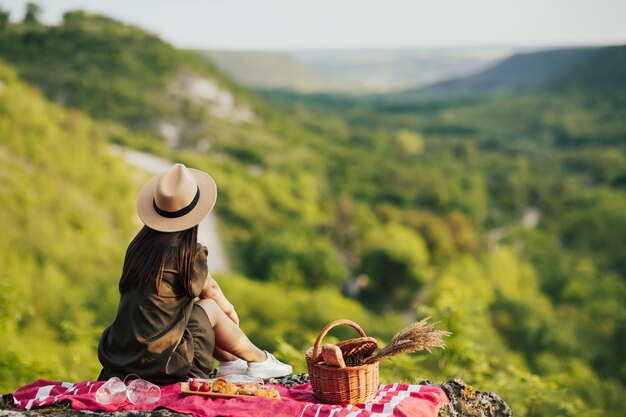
[147, 253]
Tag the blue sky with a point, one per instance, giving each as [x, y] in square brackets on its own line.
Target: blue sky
[337, 24]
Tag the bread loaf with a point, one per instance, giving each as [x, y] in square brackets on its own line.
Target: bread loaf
[332, 356]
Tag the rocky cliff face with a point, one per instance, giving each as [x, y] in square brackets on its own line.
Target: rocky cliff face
[464, 402]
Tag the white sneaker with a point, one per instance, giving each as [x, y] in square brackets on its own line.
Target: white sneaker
[236, 367]
[269, 368]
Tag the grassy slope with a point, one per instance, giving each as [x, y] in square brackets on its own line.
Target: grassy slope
[60, 245]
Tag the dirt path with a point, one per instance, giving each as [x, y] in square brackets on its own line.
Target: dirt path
[207, 231]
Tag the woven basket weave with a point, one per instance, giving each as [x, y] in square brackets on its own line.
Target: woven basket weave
[349, 385]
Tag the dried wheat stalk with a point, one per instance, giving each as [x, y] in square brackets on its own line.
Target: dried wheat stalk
[420, 335]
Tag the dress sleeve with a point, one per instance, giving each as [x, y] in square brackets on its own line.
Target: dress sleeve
[200, 270]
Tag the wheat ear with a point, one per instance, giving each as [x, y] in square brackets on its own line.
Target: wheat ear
[417, 336]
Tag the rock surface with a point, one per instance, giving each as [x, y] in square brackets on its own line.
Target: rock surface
[464, 402]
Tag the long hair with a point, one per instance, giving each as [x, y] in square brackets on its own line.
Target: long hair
[146, 256]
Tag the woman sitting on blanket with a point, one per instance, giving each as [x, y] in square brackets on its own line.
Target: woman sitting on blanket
[173, 318]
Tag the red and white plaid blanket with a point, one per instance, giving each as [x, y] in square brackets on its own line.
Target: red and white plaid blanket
[401, 400]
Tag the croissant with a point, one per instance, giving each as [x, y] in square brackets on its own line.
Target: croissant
[248, 389]
[228, 388]
[267, 392]
[218, 384]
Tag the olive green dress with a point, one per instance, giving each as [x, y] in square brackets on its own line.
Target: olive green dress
[163, 337]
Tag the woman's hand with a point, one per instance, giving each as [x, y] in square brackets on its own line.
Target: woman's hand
[210, 289]
[232, 314]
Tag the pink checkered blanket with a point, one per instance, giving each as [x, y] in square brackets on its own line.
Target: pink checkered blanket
[393, 400]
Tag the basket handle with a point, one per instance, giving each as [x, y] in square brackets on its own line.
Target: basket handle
[326, 329]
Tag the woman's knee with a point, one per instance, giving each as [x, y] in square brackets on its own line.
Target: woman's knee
[211, 309]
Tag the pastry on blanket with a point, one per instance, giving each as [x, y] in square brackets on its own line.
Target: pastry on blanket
[332, 356]
[218, 384]
[229, 389]
[248, 389]
[267, 392]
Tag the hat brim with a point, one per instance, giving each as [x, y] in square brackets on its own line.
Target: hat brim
[152, 219]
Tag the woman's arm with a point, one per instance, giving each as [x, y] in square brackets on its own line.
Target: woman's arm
[213, 291]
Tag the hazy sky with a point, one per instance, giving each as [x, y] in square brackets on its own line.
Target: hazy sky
[333, 24]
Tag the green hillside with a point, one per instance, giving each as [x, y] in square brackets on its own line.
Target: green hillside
[501, 217]
[60, 241]
[121, 75]
[606, 71]
[522, 71]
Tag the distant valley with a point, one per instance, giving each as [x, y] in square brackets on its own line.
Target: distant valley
[353, 71]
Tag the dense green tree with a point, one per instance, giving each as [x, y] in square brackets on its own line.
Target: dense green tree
[4, 19]
[33, 12]
[395, 260]
[295, 258]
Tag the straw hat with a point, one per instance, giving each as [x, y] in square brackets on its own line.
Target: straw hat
[177, 199]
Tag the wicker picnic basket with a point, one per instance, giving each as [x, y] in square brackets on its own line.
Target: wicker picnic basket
[346, 385]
